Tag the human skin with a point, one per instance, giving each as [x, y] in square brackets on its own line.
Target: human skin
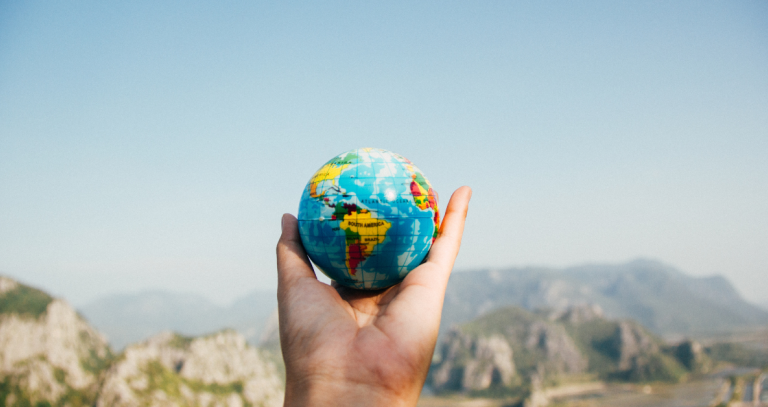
[345, 347]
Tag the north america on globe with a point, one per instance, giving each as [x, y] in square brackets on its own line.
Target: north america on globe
[368, 217]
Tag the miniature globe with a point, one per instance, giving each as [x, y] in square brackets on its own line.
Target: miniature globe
[367, 218]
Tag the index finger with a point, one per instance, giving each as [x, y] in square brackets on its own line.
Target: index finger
[446, 246]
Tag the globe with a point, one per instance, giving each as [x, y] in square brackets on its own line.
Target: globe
[367, 218]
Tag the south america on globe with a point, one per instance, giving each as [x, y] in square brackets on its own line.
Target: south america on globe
[367, 218]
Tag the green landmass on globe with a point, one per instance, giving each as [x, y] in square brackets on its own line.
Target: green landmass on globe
[368, 217]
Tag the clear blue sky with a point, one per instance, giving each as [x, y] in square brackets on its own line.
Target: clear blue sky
[155, 144]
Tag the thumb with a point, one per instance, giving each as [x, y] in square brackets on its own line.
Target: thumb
[292, 261]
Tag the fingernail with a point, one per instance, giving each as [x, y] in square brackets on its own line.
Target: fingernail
[282, 223]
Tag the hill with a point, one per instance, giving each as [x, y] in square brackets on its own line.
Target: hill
[48, 353]
[215, 370]
[51, 356]
[654, 294]
[512, 350]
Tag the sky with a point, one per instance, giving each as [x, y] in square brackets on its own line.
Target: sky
[155, 145]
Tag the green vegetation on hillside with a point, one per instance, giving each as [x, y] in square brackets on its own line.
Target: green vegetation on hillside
[553, 348]
[96, 364]
[738, 354]
[42, 380]
[596, 340]
[180, 341]
[24, 300]
[513, 323]
[656, 367]
[13, 395]
[171, 383]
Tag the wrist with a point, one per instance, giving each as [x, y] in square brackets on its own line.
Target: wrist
[346, 393]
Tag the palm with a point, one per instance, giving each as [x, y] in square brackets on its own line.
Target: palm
[381, 340]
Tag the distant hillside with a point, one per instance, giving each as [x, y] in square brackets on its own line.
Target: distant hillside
[515, 351]
[656, 295]
[130, 318]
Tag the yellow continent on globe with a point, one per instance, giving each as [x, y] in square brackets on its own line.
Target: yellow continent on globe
[363, 234]
[328, 172]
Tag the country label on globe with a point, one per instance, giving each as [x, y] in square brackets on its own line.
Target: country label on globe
[368, 217]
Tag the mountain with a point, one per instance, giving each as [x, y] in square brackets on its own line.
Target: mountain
[515, 351]
[216, 370]
[49, 355]
[656, 295]
[130, 318]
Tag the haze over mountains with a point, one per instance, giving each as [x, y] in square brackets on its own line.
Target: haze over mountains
[660, 297]
[130, 318]
[657, 295]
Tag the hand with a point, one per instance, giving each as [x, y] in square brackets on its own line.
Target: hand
[345, 347]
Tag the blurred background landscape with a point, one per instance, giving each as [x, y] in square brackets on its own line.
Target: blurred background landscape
[616, 250]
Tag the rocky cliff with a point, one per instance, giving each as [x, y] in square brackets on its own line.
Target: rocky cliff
[47, 352]
[514, 349]
[474, 363]
[216, 370]
[49, 355]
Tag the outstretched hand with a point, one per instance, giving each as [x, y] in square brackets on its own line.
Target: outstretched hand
[350, 347]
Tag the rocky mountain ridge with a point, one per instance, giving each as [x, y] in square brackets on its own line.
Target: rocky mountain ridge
[514, 350]
[658, 296]
[215, 370]
[47, 352]
[50, 356]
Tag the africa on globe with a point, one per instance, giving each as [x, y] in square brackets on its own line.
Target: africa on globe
[367, 218]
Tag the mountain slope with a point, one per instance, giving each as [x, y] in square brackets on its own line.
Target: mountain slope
[657, 295]
[48, 353]
[514, 350]
[216, 370]
[50, 356]
[654, 294]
